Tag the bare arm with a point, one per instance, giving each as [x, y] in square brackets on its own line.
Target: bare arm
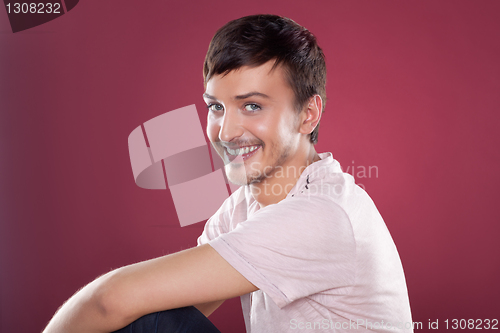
[195, 276]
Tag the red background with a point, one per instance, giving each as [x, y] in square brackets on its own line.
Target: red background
[413, 89]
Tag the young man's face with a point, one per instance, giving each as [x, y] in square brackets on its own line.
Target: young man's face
[252, 121]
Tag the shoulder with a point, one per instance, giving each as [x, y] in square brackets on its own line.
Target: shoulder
[315, 221]
[232, 211]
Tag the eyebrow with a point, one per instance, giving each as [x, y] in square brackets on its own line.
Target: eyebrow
[205, 95]
[239, 97]
[250, 94]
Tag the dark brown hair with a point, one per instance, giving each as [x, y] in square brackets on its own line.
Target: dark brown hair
[256, 39]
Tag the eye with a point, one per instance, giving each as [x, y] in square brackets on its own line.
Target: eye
[252, 107]
[215, 107]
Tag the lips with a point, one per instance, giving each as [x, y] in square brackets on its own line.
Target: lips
[242, 150]
[241, 154]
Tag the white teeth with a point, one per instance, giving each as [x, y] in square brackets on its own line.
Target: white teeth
[238, 151]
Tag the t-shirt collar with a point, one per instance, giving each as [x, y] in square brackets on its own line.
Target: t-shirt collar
[317, 169]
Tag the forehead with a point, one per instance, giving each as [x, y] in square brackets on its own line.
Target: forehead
[263, 79]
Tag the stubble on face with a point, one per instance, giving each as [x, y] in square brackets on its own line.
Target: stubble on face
[254, 172]
[278, 158]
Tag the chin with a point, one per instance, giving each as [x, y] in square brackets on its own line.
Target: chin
[238, 182]
[236, 175]
[240, 178]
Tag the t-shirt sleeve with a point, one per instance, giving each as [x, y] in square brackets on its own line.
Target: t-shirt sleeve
[293, 249]
[215, 226]
[210, 231]
[220, 222]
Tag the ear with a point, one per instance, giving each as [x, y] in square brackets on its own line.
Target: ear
[311, 116]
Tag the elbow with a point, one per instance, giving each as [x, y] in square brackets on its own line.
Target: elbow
[95, 308]
[108, 300]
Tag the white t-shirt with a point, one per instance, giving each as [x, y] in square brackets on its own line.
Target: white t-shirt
[322, 258]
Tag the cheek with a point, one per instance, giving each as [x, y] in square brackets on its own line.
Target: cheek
[270, 130]
[260, 128]
[212, 130]
[261, 131]
[285, 127]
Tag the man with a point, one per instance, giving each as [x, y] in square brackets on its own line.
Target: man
[300, 242]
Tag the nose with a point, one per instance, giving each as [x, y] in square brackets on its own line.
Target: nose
[231, 126]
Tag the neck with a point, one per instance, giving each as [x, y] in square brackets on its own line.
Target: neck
[280, 181]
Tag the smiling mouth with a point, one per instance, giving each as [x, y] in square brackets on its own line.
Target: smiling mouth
[242, 153]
